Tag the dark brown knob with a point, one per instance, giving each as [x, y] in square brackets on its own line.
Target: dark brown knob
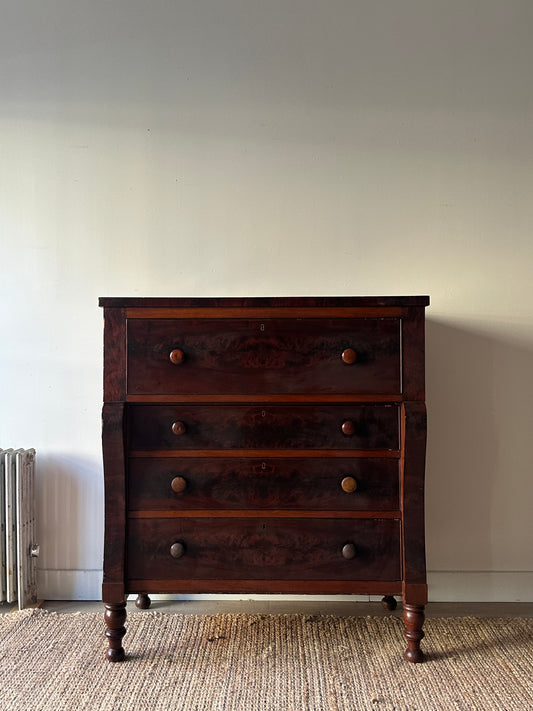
[179, 428]
[177, 356]
[348, 551]
[177, 550]
[349, 484]
[178, 484]
[349, 356]
[348, 428]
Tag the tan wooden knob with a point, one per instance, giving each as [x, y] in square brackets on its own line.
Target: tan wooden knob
[179, 428]
[348, 428]
[177, 550]
[349, 484]
[177, 356]
[178, 484]
[348, 551]
[349, 356]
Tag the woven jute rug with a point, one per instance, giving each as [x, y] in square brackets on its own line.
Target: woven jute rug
[50, 662]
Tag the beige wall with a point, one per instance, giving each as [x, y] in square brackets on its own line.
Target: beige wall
[297, 147]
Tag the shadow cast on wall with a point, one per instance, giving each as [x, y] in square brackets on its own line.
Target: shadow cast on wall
[69, 511]
[479, 462]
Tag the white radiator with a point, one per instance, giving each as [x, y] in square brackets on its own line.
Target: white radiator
[17, 506]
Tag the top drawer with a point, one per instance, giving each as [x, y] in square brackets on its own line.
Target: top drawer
[268, 356]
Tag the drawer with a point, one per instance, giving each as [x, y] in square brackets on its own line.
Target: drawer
[275, 483]
[205, 427]
[263, 549]
[231, 356]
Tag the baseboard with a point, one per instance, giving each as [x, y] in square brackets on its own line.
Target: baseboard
[69, 584]
[444, 586]
[482, 586]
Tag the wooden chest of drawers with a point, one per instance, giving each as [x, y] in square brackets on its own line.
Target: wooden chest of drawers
[264, 445]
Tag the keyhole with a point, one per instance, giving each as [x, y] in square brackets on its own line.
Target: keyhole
[262, 327]
[263, 466]
[263, 413]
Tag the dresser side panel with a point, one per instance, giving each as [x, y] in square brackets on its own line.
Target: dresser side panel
[412, 467]
[115, 501]
[114, 355]
[413, 354]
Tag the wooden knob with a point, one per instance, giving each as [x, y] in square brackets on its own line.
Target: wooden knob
[349, 356]
[177, 356]
[348, 428]
[177, 550]
[349, 484]
[178, 484]
[179, 428]
[348, 551]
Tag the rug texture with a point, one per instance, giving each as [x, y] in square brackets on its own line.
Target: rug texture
[51, 662]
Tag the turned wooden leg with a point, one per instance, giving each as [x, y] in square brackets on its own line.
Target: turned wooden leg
[115, 617]
[389, 602]
[413, 617]
[143, 601]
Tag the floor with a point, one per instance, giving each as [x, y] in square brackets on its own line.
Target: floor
[210, 607]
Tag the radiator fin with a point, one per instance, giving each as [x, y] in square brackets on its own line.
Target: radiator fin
[18, 546]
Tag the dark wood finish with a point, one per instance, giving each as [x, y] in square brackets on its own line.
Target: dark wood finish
[179, 428]
[412, 464]
[114, 355]
[349, 356]
[263, 356]
[389, 602]
[176, 356]
[143, 601]
[264, 548]
[154, 427]
[349, 428]
[178, 486]
[241, 398]
[270, 483]
[349, 551]
[177, 549]
[114, 501]
[349, 484]
[264, 445]
[264, 513]
[304, 587]
[262, 453]
[258, 302]
[413, 355]
[115, 619]
[413, 617]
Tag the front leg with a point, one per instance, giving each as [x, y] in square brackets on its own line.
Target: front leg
[115, 618]
[413, 617]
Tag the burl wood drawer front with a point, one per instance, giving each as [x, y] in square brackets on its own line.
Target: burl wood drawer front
[263, 549]
[296, 356]
[236, 483]
[182, 427]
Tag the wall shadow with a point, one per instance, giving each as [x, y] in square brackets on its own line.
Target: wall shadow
[70, 512]
[479, 462]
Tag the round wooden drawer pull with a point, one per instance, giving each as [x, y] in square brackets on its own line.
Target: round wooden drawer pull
[348, 551]
[178, 484]
[349, 356]
[179, 428]
[177, 550]
[349, 484]
[177, 356]
[348, 428]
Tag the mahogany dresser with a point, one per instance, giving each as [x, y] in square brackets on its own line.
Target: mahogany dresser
[267, 445]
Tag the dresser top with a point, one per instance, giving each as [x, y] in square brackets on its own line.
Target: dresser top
[261, 301]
